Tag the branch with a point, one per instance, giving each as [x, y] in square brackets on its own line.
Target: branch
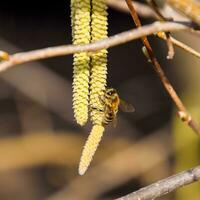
[165, 186]
[182, 113]
[121, 38]
[180, 45]
[155, 7]
[145, 11]
[142, 9]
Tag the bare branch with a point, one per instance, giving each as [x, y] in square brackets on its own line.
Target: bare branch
[145, 11]
[142, 9]
[181, 45]
[161, 17]
[115, 40]
[182, 113]
[165, 186]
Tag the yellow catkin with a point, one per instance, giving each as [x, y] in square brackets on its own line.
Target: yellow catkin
[98, 60]
[80, 15]
[90, 148]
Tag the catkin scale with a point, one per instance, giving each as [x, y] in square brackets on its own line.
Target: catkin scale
[80, 15]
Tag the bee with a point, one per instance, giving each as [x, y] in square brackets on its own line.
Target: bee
[112, 103]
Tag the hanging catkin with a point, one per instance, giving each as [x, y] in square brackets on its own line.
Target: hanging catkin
[80, 15]
[90, 148]
[98, 60]
[97, 83]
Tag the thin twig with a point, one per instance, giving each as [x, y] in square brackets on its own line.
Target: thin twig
[165, 186]
[169, 42]
[181, 45]
[142, 9]
[171, 52]
[183, 114]
[121, 38]
[145, 11]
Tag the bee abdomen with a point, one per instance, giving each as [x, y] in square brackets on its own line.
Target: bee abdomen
[108, 118]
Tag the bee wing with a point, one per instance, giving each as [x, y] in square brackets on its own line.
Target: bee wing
[126, 107]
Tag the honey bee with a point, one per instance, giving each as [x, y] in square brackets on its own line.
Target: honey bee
[112, 103]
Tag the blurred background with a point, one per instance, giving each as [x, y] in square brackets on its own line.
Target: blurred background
[41, 144]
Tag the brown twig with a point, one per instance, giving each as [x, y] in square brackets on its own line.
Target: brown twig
[165, 186]
[183, 114]
[115, 40]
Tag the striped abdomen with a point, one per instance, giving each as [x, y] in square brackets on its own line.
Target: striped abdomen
[109, 116]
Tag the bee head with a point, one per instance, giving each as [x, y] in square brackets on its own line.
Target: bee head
[110, 91]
